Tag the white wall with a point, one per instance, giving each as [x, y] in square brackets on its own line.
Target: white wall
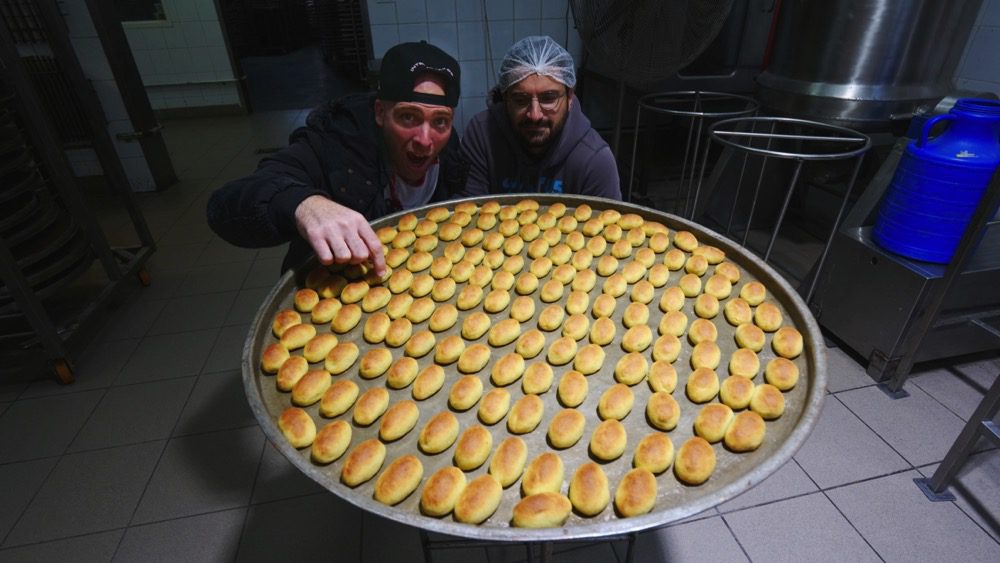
[461, 28]
[183, 61]
[979, 69]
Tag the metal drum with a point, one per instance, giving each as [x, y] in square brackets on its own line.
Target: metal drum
[734, 473]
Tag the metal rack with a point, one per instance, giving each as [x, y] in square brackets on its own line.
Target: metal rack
[797, 140]
[697, 107]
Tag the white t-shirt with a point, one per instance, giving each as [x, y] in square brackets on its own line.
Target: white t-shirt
[411, 196]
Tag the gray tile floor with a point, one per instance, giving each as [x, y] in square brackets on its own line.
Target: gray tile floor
[153, 455]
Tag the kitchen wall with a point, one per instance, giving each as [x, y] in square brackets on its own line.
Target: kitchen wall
[183, 61]
[477, 37]
[979, 69]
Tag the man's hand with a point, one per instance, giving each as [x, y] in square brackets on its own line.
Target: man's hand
[338, 234]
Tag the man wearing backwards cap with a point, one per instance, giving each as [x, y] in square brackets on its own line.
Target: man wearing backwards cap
[536, 138]
[357, 158]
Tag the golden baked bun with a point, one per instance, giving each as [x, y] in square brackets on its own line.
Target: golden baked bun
[474, 358]
[397, 255]
[753, 292]
[588, 489]
[662, 377]
[738, 312]
[674, 259]
[283, 320]
[462, 271]
[736, 391]
[712, 422]
[355, 291]
[305, 299]
[718, 286]
[449, 350]
[728, 270]
[341, 357]
[568, 275]
[750, 336]
[566, 428]
[607, 264]
[346, 319]
[475, 326]
[636, 493]
[525, 414]
[702, 385]
[443, 318]
[767, 316]
[632, 272]
[454, 252]
[637, 338]
[514, 265]
[399, 419]
[375, 299]
[572, 388]
[582, 258]
[602, 332]
[508, 461]
[363, 462]
[654, 453]
[658, 275]
[503, 281]
[478, 500]
[310, 388]
[706, 355]
[274, 357]
[494, 406]
[376, 327]
[507, 370]
[297, 336]
[712, 254]
[706, 306]
[443, 289]
[635, 314]
[439, 433]
[428, 382]
[631, 368]
[473, 448]
[399, 480]
[746, 433]
[420, 344]
[541, 510]
[696, 265]
[422, 285]
[666, 348]
[695, 461]
[449, 232]
[370, 406]
[659, 242]
[621, 249]
[472, 237]
[577, 303]
[538, 249]
[522, 309]
[297, 427]
[744, 362]
[504, 332]
[401, 373]
[562, 351]
[672, 299]
[543, 474]
[465, 393]
[609, 440]
[530, 344]
[673, 323]
[441, 491]
[537, 378]
[767, 401]
[787, 342]
[338, 398]
[583, 212]
[702, 330]
[604, 306]
[331, 442]
[420, 310]
[589, 359]
[662, 411]
[526, 284]
[469, 297]
[496, 301]
[374, 363]
[646, 257]
[576, 326]
[690, 285]
[399, 306]
[615, 286]
[782, 373]
[685, 241]
[291, 372]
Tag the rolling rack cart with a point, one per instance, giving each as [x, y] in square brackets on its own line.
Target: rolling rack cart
[53, 296]
[796, 140]
[699, 109]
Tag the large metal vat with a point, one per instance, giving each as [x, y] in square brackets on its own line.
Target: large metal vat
[857, 62]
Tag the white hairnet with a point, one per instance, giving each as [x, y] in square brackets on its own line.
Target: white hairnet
[536, 54]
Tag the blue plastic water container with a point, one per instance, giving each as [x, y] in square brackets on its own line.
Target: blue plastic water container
[939, 183]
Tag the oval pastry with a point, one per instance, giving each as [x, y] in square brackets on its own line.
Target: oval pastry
[401, 373]
[474, 358]
[310, 388]
[767, 316]
[566, 429]
[346, 318]
[637, 338]
[420, 344]
[508, 461]
[331, 442]
[338, 398]
[662, 411]
[589, 359]
[562, 351]
[441, 491]
[504, 332]
[576, 326]
[782, 373]
[341, 357]
[443, 318]
[666, 348]
[363, 462]
[297, 336]
[438, 434]
[604, 306]
[283, 320]
[702, 385]
[370, 406]
[654, 453]
[274, 357]
[636, 493]
[537, 378]
[572, 388]
[399, 479]
[588, 489]
[631, 368]
[753, 293]
[291, 372]
[662, 377]
[608, 441]
[543, 474]
[374, 363]
[475, 326]
[746, 432]
[494, 406]
[577, 303]
[399, 419]
[767, 401]
[738, 311]
[530, 344]
[712, 422]
[478, 500]
[507, 370]
[673, 323]
[786, 342]
[428, 382]
[695, 461]
[602, 332]
[744, 362]
[541, 510]
[735, 392]
[473, 448]
[523, 309]
[706, 355]
[525, 414]
[297, 427]
[465, 393]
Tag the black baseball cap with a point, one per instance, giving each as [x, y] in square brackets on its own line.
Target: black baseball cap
[404, 62]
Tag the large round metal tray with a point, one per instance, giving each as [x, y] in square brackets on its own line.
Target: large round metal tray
[734, 474]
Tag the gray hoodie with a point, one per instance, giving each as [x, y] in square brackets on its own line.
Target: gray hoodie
[578, 162]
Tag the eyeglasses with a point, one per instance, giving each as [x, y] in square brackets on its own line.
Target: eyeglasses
[548, 101]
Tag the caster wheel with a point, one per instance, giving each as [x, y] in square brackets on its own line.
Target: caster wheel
[144, 278]
[64, 373]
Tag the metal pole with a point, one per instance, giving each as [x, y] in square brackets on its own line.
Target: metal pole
[756, 191]
[833, 231]
[616, 141]
[635, 146]
[784, 208]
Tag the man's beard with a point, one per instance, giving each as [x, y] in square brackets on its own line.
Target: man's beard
[538, 135]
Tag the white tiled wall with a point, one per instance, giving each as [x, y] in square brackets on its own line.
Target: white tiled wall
[183, 60]
[980, 66]
[478, 42]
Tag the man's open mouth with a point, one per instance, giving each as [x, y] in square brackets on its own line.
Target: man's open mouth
[416, 160]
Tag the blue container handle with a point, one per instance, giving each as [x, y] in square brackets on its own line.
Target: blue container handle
[928, 125]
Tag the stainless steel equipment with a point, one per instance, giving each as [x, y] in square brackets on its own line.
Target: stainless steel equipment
[735, 473]
[858, 63]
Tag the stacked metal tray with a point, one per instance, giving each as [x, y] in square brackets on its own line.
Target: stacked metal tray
[734, 474]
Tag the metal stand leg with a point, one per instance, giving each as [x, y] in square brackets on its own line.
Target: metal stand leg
[979, 424]
[425, 544]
